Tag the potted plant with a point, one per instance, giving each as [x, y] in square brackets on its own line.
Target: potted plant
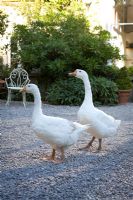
[124, 85]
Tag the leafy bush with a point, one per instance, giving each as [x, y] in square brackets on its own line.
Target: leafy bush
[110, 72]
[123, 81]
[130, 72]
[3, 22]
[71, 91]
[62, 41]
[4, 69]
[104, 91]
[66, 92]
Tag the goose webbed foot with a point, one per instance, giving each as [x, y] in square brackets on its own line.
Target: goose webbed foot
[89, 145]
[99, 148]
[51, 157]
[47, 158]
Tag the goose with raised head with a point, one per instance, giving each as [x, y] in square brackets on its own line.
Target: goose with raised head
[101, 124]
[58, 132]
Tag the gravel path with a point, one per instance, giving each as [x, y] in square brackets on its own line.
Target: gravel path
[83, 175]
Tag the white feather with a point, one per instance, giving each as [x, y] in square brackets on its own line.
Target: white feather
[101, 124]
[56, 131]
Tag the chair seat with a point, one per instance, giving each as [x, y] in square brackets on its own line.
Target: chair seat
[15, 88]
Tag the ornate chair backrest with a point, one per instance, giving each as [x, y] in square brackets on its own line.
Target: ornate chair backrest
[18, 78]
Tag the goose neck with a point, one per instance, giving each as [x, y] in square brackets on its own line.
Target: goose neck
[88, 93]
[37, 104]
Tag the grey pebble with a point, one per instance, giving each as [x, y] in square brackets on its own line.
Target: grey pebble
[83, 175]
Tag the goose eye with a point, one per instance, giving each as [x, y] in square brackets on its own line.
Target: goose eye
[79, 71]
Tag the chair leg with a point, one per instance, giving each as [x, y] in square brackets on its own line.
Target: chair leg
[8, 97]
[24, 98]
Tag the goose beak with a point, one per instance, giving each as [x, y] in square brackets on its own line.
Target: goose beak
[23, 89]
[72, 73]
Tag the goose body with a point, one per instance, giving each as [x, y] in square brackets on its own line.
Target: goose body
[102, 124]
[58, 132]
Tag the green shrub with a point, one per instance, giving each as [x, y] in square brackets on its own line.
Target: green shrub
[3, 22]
[130, 72]
[66, 92]
[4, 71]
[71, 91]
[104, 91]
[123, 81]
[110, 72]
[62, 41]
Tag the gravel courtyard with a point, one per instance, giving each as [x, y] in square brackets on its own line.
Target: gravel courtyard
[82, 176]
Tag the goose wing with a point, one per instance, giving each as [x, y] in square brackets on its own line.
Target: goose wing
[53, 125]
[105, 118]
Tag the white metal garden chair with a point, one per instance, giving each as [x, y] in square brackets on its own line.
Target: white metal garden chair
[18, 78]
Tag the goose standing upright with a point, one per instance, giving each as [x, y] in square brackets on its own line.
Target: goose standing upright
[102, 124]
[58, 132]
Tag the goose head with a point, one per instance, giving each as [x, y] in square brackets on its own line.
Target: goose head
[30, 88]
[79, 73]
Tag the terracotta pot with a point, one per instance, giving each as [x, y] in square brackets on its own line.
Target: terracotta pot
[123, 96]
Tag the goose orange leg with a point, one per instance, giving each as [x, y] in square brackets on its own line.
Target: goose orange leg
[62, 156]
[100, 145]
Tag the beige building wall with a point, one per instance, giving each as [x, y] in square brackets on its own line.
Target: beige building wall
[102, 12]
[125, 16]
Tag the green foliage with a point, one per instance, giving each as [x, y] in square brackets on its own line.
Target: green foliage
[48, 9]
[66, 92]
[123, 81]
[71, 91]
[110, 72]
[4, 70]
[3, 22]
[60, 4]
[130, 71]
[104, 91]
[61, 40]
[58, 40]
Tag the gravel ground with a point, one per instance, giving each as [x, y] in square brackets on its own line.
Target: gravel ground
[83, 175]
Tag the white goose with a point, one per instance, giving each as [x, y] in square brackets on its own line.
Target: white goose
[58, 132]
[102, 125]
